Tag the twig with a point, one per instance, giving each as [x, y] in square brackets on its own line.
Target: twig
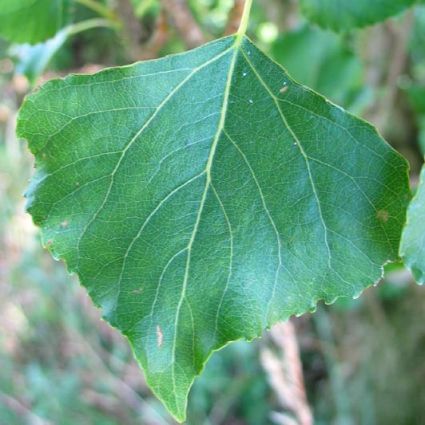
[158, 39]
[133, 32]
[285, 374]
[235, 17]
[183, 20]
[90, 24]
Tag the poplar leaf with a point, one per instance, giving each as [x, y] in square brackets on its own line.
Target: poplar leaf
[205, 196]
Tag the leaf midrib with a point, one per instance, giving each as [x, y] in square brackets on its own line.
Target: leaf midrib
[220, 128]
[134, 139]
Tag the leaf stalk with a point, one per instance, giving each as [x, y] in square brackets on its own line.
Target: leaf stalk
[245, 20]
[99, 8]
[89, 24]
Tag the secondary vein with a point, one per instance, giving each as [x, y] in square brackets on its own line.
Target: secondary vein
[303, 153]
[137, 135]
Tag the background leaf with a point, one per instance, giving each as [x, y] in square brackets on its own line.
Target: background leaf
[321, 60]
[341, 15]
[412, 248]
[31, 60]
[32, 21]
[205, 196]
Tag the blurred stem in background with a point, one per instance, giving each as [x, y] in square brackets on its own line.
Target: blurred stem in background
[88, 24]
[284, 369]
[179, 14]
[99, 8]
[133, 32]
[235, 17]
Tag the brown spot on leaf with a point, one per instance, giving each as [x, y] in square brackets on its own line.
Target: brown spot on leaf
[383, 215]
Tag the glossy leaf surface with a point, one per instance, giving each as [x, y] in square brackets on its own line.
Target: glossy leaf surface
[205, 196]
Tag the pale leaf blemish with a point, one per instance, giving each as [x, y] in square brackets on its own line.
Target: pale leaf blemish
[283, 90]
[383, 215]
[159, 336]
[64, 224]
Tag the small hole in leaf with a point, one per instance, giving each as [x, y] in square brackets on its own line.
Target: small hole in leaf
[159, 336]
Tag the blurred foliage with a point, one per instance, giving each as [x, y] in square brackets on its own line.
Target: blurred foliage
[363, 359]
[343, 15]
[43, 18]
[331, 68]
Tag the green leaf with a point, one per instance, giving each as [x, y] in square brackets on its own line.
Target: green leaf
[320, 60]
[205, 196]
[32, 60]
[412, 248]
[421, 133]
[416, 96]
[342, 15]
[32, 21]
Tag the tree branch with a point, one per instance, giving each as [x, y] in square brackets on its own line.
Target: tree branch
[284, 370]
[158, 39]
[184, 22]
[235, 17]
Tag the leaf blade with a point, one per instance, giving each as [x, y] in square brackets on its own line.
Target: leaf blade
[202, 210]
